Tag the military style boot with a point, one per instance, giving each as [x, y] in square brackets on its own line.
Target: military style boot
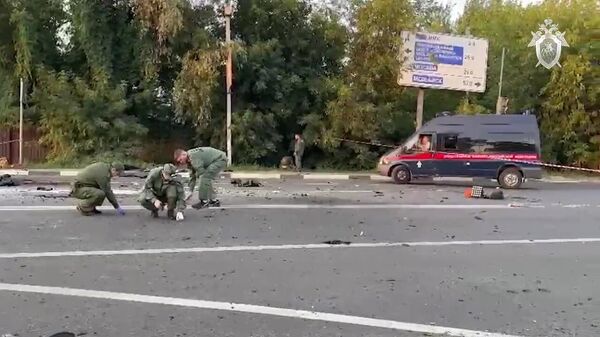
[201, 204]
[85, 212]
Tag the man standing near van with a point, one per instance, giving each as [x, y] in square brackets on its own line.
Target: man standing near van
[298, 151]
[205, 163]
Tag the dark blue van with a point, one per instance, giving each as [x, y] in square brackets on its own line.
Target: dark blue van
[501, 147]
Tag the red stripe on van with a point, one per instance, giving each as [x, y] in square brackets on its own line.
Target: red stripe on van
[467, 156]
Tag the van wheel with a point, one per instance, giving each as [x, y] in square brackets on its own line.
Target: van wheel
[401, 174]
[511, 178]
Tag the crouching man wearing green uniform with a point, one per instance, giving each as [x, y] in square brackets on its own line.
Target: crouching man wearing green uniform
[92, 186]
[205, 163]
[162, 188]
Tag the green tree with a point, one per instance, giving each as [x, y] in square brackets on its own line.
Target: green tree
[280, 77]
[369, 98]
[35, 24]
[81, 120]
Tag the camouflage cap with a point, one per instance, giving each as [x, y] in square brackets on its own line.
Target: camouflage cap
[169, 169]
[118, 166]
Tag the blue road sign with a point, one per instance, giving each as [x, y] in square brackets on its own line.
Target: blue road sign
[425, 66]
[438, 53]
[426, 79]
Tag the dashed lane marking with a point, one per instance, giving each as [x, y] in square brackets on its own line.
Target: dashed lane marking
[249, 308]
[287, 206]
[197, 250]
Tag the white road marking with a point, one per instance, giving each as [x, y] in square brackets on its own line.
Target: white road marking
[285, 206]
[249, 308]
[14, 172]
[333, 191]
[120, 192]
[63, 192]
[155, 251]
[266, 175]
[326, 176]
[375, 177]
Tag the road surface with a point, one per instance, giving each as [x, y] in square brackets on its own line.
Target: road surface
[306, 258]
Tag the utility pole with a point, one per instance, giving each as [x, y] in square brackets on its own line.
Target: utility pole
[228, 11]
[21, 124]
[420, 101]
[501, 101]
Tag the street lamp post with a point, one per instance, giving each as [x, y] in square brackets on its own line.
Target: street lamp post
[228, 11]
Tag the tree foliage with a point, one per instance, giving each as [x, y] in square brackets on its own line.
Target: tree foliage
[78, 118]
[113, 75]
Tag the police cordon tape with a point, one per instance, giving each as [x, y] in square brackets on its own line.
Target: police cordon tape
[9, 142]
[539, 163]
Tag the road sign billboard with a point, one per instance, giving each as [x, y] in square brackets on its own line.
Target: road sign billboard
[443, 62]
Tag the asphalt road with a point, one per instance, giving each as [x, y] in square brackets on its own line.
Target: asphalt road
[300, 258]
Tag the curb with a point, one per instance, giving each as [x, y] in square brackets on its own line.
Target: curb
[225, 175]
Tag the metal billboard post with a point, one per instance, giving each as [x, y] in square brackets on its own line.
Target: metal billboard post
[420, 102]
[21, 123]
[229, 75]
[500, 99]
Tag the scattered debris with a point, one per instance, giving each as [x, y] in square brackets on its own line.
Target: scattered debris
[337, 242]
[478, 193]
[134, 172]
[246, 183]
[496, 195]
[7, 180]
[287, 163]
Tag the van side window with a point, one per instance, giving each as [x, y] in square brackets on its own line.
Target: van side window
[448, 142]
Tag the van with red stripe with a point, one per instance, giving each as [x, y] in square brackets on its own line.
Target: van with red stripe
[501, 147]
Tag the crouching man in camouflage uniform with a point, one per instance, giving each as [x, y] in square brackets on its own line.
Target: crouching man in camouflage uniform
[92, 186]
[162, 188]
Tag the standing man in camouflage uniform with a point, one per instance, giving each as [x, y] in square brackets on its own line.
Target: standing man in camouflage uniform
[162, 188]
[298, 151]
[205, 163]
[92, 186]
